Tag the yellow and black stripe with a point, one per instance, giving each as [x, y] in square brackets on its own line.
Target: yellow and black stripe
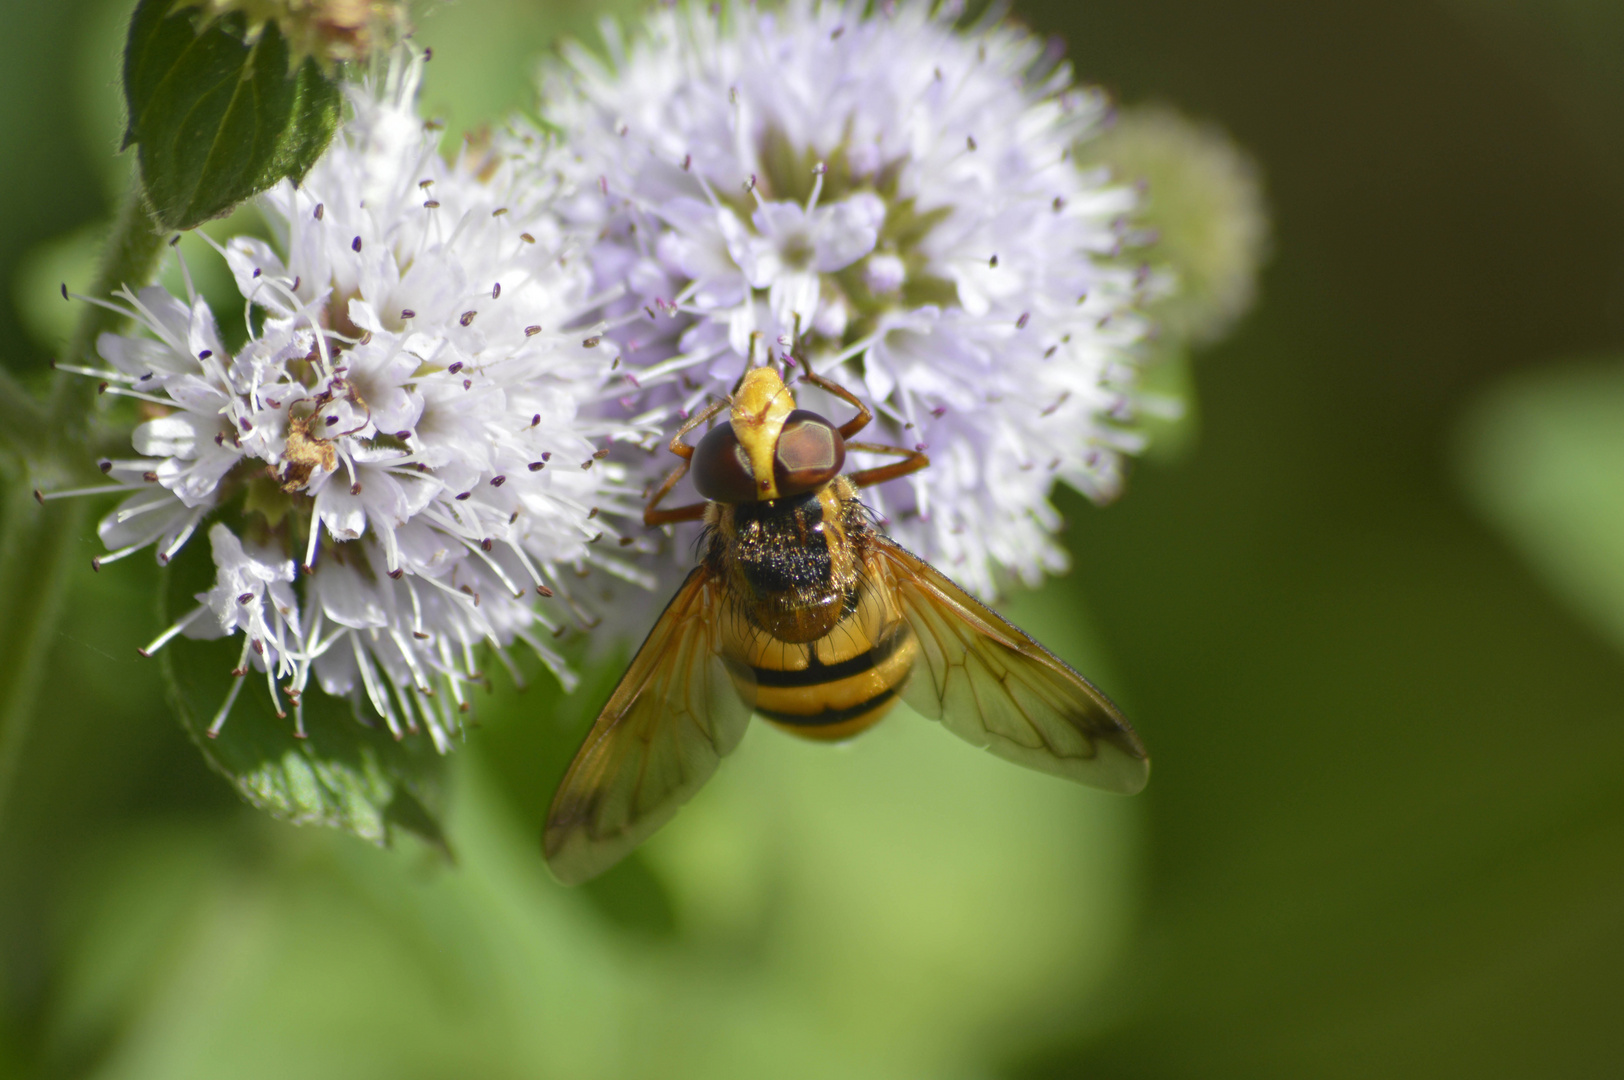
[821, 649]
[834, 701]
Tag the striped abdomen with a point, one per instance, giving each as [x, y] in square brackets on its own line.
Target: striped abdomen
[834, 687]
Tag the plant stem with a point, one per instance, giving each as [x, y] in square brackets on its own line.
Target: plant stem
[130, 258]
[33, 574]
[22, 421]
[36, 541]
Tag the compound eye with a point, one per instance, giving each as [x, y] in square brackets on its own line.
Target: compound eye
[721, 467]
[809, 454]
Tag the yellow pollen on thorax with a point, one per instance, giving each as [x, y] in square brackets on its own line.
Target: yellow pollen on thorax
[759, 410]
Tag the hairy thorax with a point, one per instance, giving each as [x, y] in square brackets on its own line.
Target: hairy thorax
[791, 564]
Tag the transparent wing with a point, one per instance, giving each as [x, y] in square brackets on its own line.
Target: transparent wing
[674, 716]
[990, 684]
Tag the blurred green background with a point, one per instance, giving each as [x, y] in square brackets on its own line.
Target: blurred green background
[1370, 624]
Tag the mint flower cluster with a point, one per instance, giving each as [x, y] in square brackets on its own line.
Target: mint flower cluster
[459, 376]
[405, 462]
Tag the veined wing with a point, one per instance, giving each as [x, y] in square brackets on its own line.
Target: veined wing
[674, 716]
[991, 684]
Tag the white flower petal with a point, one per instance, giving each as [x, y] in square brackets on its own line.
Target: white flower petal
[259, 273]
[848, 230]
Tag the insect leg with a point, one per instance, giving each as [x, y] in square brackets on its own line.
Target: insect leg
[652, 515]
[913, 461]
[856, 423]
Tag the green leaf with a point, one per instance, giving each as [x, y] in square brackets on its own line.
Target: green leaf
[1542, 457]
[346, 774]
[217, 118]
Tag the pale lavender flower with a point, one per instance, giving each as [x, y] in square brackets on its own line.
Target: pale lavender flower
[415, 425]
[895, 199]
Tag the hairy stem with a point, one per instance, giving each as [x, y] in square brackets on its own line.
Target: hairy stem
[36, 541]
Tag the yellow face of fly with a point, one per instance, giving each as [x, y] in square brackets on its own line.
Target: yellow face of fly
[759, 410]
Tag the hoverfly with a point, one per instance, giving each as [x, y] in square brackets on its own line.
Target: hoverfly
[803, 612]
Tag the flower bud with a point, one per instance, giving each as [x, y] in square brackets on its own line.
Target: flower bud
[1204, 200]
[331, 31]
